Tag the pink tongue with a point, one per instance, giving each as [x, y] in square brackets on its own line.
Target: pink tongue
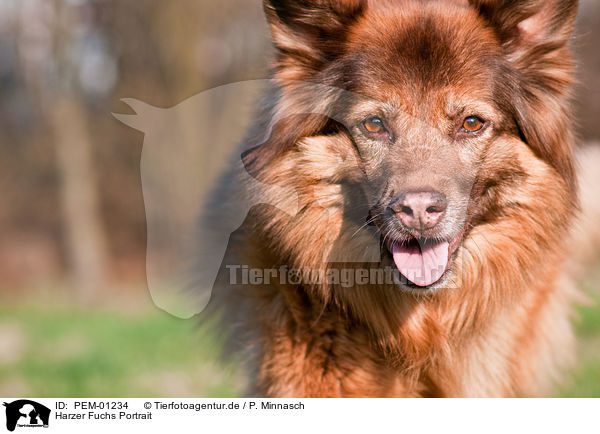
[422, 264]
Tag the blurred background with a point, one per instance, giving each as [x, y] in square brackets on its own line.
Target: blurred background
[76, 317]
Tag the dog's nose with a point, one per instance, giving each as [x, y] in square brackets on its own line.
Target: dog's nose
[420, 210]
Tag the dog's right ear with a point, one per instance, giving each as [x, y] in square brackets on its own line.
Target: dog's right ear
[311, 32]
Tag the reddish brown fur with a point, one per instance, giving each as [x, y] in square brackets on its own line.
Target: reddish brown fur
[501, 325]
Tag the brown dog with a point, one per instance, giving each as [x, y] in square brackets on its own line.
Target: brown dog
[430, 138]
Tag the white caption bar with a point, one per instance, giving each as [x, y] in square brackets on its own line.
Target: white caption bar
[45, 416]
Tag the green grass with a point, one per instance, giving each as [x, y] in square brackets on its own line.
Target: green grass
[59, 351]
[74, 353]
[584, 382]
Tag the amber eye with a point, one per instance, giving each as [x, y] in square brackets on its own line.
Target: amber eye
[374, 126]
[472, 124]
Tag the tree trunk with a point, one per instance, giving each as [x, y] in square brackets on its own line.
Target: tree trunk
[84, 235]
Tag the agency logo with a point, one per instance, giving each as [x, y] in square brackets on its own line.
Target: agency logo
[25, 413]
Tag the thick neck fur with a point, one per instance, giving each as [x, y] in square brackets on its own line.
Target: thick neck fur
[501, 269]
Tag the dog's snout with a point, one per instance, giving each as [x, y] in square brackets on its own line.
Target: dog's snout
[420, 210]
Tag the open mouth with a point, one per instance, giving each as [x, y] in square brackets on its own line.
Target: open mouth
[423, 262]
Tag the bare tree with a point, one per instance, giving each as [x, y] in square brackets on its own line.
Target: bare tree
[52, 83]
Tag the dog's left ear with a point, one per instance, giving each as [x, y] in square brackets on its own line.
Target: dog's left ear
[522, 24]
[534, 35]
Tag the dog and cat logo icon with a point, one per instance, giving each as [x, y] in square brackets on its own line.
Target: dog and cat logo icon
[26, 413]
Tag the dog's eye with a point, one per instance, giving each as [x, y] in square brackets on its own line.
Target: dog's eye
[472, 124]
[374, 126]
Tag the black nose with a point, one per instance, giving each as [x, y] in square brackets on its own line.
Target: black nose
[420, 210]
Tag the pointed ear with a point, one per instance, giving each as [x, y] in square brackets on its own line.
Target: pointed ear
[535, 36]
[311, 31]
[527, 23]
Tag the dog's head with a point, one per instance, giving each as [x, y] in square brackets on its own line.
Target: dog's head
[447, 107]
